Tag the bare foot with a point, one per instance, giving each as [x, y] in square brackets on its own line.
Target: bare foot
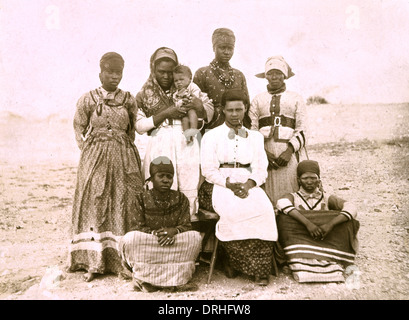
[125, 275]
[187, 287]
[144, 286]
[89, 276]
[261, 281]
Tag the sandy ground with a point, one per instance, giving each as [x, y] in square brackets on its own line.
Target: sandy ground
[363, 151]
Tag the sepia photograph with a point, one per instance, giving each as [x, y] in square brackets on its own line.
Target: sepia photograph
[218, 150]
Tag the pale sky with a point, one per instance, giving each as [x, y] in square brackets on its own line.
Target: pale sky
[346, 51]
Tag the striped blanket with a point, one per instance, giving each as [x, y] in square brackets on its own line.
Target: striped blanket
[318, 260]
[165, 266]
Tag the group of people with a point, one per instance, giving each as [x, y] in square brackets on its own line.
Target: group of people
[208, 148]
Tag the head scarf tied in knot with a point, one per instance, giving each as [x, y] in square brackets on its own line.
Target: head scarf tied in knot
[111, 61]
[308, 166]
[277, 63]
[223, 36]
[161, 164]
[153, 97]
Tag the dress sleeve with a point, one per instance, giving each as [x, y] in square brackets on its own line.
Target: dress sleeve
[254, 114]
[345, 207]
[138, 221]
[207, 102]
[286, 203]
[198, 79]
[244, 85]
[298, 140]
[132, 111]
[143, 124]
[210, 162]
[82, 119]
[184, 223]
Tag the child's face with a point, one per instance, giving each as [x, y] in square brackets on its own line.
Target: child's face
[181, 80]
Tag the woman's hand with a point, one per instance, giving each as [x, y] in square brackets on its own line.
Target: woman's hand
[326, 228]
[240, 190]
[175, 112]
[245, 187]
[315, 231]
[172, 112]
[166, 236]
[272, 164]
[194, 103]
[235, 187]
[285, 156]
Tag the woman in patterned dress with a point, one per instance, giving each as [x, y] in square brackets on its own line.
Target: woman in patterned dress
[109, 173]
[279, 115]
[220, 76]
[161, 249]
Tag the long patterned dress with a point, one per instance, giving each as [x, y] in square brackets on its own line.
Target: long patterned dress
[108, 179]
[210, 81]
[281, 119]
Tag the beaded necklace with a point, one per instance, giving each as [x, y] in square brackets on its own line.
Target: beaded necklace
[227, 82]
[162, 201]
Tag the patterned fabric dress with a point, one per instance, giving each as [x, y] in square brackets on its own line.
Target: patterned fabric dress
[171, 265]
[108, 179]
[281, 119]
[210, 81]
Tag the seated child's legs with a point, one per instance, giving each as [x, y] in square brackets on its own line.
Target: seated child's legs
[193, 121]
[189, 125]
[185, 123]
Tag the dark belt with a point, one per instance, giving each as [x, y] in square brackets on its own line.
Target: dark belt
[277, 121]
[234, 165]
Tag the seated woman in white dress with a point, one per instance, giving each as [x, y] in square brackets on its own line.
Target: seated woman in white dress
[234, 164]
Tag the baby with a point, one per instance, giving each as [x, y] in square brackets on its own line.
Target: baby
[182, 77]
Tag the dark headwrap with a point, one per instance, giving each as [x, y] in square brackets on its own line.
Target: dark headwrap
[223, 36]
[161, 164]
[111, 61]
[154, 98]
[308, 166]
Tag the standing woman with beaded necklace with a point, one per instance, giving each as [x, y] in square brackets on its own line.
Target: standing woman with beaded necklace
[219, 76]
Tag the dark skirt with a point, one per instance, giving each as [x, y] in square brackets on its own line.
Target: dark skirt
[205, 196]
[253, 257]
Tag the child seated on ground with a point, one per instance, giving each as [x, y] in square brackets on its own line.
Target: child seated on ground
[182, 77]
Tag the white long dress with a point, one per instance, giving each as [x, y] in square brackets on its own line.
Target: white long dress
[167, 139]
[252, 217]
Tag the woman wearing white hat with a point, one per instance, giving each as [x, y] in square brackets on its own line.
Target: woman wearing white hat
[280, 116]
